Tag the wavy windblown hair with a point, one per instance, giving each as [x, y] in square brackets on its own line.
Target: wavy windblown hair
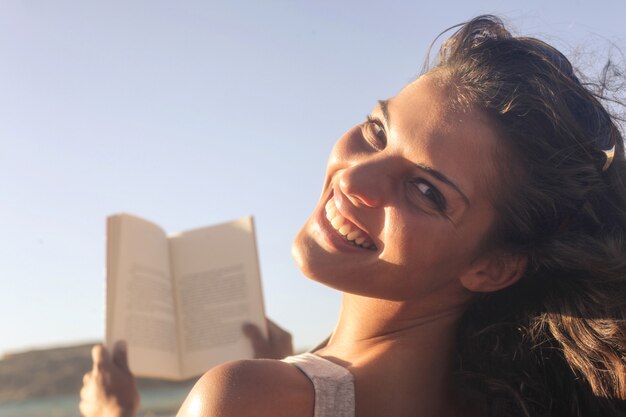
[554, 344]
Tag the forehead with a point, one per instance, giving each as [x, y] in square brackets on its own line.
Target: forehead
[457, 140]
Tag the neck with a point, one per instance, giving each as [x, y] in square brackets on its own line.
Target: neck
[399, 347]
[364, 320]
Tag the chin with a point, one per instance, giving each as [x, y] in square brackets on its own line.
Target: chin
[313, 262]
[344, 270]
[301, 252]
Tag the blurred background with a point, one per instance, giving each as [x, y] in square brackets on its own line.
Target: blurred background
[190, 113]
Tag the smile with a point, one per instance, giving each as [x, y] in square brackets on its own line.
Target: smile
[347, 229]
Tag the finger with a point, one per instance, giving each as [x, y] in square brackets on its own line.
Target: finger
[120, 355]
[259, 344]
[275, 330]
[100, 357]
[86, 378]
[252, 331]
[86, 393]
[82, 408]
[86, 408]
[272, 325]
[277, 333]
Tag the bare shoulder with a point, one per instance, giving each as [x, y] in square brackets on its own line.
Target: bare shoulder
[259, 387]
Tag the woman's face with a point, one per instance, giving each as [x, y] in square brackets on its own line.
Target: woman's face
[405, 204]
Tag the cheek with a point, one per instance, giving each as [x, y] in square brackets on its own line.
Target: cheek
[427, 246]
[412, 239]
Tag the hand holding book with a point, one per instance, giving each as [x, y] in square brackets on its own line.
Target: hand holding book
[110, 390]
[277, 345]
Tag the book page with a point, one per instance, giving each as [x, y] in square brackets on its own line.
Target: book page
[218, 289]
[140, 300]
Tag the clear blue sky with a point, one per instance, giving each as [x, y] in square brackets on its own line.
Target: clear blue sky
[194, 112]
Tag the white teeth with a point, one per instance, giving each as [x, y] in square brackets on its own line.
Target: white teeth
[330, 208]
[337, 221]
[346, 228]
[352, 235]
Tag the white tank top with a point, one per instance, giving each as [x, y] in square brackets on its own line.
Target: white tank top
[333, 384]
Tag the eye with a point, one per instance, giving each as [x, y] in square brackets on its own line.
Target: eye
[428, 191]
[374, 132]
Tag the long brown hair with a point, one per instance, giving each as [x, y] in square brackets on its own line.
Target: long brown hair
[554, 344]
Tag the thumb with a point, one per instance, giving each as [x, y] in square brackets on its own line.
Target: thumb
[120, 355]
[100, 358]
[252, 332]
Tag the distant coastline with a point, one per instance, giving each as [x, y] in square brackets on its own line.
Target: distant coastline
[52, 372]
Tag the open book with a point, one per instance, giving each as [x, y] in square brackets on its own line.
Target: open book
[180, 301]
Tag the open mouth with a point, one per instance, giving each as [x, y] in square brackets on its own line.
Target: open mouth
[346, 228]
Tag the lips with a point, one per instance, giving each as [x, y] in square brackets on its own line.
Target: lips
[348, 230]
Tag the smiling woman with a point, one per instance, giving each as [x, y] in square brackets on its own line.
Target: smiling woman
[413, 181]
[476, 225]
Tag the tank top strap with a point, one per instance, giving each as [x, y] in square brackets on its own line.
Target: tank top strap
[333, 384]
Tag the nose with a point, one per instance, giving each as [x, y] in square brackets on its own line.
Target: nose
[365, 183]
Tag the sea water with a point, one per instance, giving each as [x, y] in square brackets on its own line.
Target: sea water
[161, 402]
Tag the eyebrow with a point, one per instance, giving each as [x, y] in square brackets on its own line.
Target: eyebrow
[444, 179]
[387, 119]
